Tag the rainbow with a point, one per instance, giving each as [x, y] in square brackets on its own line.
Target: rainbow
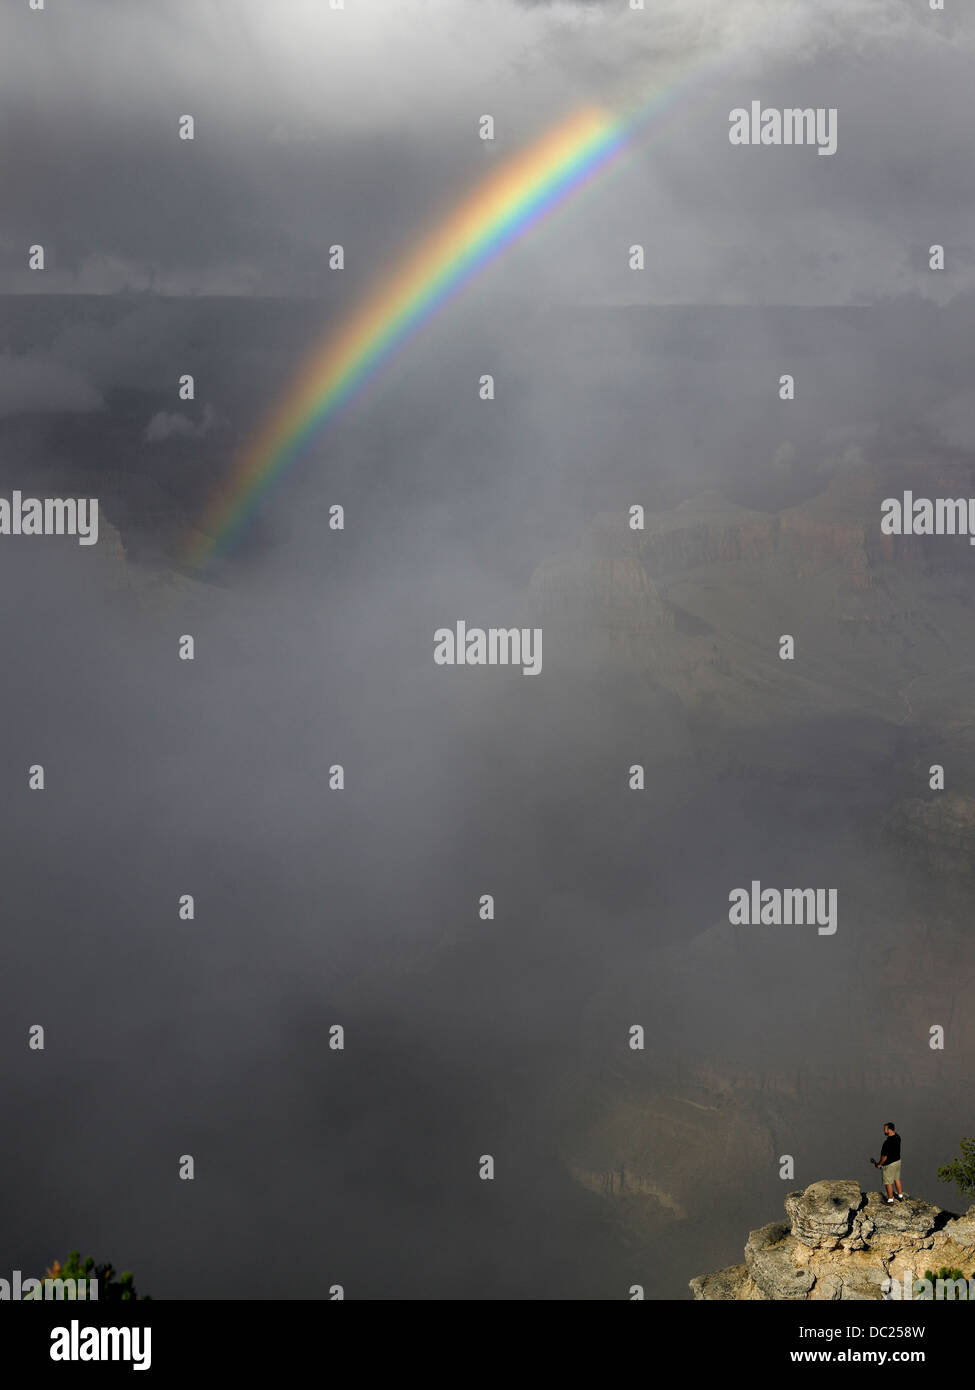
[500, 210]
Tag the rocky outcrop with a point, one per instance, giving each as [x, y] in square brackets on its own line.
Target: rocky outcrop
[823, 1212]
[726, 1284]
[768, 1259]
[841, 1243]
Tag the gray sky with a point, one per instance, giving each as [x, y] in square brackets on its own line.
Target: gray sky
[355, 125]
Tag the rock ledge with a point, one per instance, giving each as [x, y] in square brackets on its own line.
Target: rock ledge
[842, 1243]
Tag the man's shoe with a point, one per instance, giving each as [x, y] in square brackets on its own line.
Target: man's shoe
[890, 1201]
[900, 1196]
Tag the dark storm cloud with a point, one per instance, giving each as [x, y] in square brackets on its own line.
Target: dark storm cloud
[315, 125]
[39, 384]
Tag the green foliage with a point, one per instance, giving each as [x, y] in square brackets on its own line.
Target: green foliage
[945, 1274]
[110, 1289]
[961, 1170]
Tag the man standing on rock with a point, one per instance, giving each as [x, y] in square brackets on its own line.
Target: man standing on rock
[890, 1162]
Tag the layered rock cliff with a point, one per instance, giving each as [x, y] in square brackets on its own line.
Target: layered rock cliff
[841, 1243]
[697, 600]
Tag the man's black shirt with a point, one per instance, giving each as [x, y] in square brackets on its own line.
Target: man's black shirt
[892, 1148]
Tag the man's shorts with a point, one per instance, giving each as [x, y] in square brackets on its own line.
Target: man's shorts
[890, 1172]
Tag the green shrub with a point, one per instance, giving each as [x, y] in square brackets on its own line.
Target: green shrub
[110, 1289]
[961, 1170]
[946, 1274]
